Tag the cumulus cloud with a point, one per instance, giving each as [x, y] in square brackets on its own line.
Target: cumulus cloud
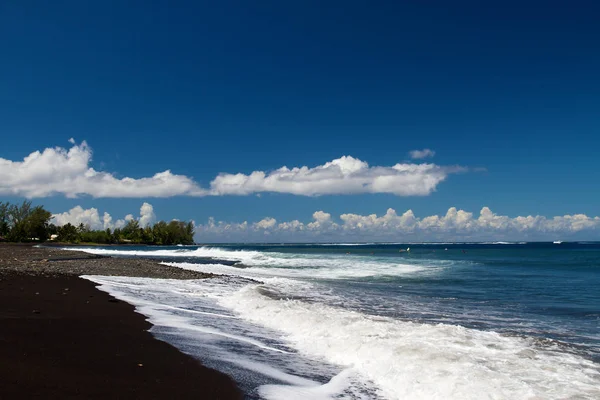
[291, 226]
[266, 223]
[91, 218]
[420, 154]
[345, 175]
[321, 220]
[391, 226]
[68, 172]
[147, 215]
[78, 215]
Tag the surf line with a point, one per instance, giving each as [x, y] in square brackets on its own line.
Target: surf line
[230, 336]
[191, 311]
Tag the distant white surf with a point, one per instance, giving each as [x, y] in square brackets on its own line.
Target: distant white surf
[258, 263]
[204, 252]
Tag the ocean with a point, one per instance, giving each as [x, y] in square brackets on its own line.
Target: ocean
[373, 321]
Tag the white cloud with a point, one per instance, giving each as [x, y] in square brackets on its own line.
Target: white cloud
[77, 215]
[390, 221]
[147, 215]
[321, 217]
[292, 226]
[106, 221]
[345, 175]
[68, 172]
[455, 225]
[60, 171]
[420, 154]
[321, 220]
[90, 217]
[266, 223]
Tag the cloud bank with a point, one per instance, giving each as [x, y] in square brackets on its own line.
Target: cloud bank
[455, 225]
[58, 171]
[91, 217]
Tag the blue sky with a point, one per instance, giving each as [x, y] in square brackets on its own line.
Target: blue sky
[509, 91]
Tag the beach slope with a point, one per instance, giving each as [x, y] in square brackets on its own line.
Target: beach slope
[60, 337]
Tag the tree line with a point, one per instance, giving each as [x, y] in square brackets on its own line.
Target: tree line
[25, 223]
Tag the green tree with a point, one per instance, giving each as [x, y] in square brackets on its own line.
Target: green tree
[68, 233]
[159, 232]
[17, 214]
[109, 236]
[18, 233]
[37, 223]
[27, 223]
[176, 232]
[23, 222]
[52, 229]
[189, 233]
[131, 231]
[4, 218]
[83, 228]
[117, 235]
[147, 235]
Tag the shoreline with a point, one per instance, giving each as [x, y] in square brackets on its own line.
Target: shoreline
[35, 260]
[61, 337]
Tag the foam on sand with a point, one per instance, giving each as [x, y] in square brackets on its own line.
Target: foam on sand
[186, 314]
[376, 357]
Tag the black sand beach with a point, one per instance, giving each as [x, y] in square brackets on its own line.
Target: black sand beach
[60, 337]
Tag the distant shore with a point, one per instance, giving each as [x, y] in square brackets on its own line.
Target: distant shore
[63, 338]
[87, 244]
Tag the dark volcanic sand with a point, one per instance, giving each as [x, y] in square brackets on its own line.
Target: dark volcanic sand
[61, 338]
[51, 261]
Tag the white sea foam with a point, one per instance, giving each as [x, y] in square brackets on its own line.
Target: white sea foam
[332, 271]
[503, 243]
[225, 341]
[391, 358]
[287, 264]
[340, 386]
[202, 252]
[417, 361]
[343, 244]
